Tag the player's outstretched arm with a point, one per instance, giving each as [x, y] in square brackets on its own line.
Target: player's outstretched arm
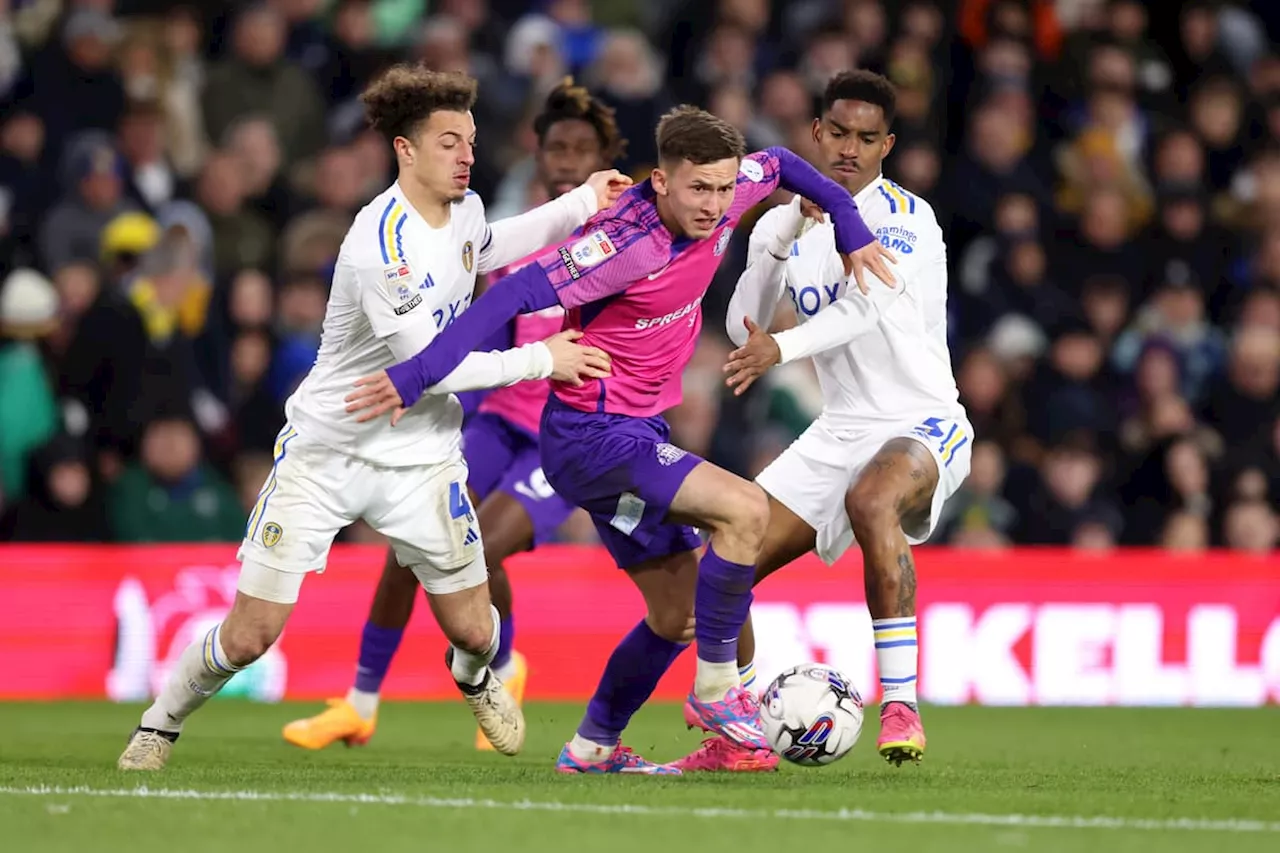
[517, 237]
[760, 286]
[599, 265]
[854, 240]
[558, 357]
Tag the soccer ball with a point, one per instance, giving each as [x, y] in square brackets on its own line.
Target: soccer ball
[812, 715]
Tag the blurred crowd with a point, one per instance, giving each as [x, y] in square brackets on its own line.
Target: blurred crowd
[175, 180]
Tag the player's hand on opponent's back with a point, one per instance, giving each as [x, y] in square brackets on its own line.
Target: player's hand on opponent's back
[750, 361]
[609, 185]
[572, 362]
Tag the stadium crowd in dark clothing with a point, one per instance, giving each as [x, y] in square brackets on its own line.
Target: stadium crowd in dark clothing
[175, 180]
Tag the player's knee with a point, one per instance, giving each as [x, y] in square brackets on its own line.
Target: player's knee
[871, 511]
[674, 624]
[245, 642]
[749, 517]
[473, 637]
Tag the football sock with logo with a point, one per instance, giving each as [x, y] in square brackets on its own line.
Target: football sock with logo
[506, 642]
[629, 678]
[378, 647]
[201, 671]
[469, 667]
[896, 648]
[722, 603]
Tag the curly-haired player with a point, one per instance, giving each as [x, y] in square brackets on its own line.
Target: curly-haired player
[577, 135]
[405, 271]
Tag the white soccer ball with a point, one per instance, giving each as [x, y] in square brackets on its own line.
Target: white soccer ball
[812, 715]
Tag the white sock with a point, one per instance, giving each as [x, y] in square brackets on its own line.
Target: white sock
[590, 751]
[366, 704]
[201, 671]
[896, 658]
[714, 680]
[747, 675]
[469, 667]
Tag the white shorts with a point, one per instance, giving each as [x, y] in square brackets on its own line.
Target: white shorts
[813, 475]
[313, 492]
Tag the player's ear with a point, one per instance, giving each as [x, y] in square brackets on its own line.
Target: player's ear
[889, 140]
[817, 130]
[404, 149]
[659, 181]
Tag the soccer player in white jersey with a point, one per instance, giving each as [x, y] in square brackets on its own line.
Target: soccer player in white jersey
[892, 443]
[406, 269]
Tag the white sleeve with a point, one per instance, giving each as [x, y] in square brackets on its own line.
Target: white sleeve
[400, 313]
[913, 242]
[497, 369]
[761, 284]
[508, 240]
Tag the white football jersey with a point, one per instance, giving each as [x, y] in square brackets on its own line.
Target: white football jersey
[397, 282]
[898, 366]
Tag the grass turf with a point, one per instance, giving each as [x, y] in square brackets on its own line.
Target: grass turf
[993, 779]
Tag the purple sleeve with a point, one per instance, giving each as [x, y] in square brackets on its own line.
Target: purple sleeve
[799, 177]
[609, 257]
[523, 291]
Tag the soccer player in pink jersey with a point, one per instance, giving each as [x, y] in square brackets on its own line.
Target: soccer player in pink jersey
[577, 135]
[634, 286]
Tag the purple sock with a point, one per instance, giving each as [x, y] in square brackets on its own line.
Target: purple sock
[377, 647]
[633, 671]
[506, 640]
[721, 606]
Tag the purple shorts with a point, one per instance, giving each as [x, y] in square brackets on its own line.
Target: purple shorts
[502, 457]
[623, 471]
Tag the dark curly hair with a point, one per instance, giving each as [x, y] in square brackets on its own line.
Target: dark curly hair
[569, 101]
[404, 96]
[862, 85]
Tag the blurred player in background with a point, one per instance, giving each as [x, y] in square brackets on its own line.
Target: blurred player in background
[406, 269]
[518, 510]
[892, 443]
[634, 285]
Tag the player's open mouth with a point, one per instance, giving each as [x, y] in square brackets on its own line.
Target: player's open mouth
[463, 178]
[707, 223]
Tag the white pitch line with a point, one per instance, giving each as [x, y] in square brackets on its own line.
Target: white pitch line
[1020, 821]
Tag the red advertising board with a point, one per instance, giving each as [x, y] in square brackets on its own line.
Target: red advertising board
[1013, 627]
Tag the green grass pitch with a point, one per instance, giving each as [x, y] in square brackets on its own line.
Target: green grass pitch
[994, 779]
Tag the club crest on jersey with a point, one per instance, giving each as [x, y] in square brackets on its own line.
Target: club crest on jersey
[592, 249]
[271, 533]
[722, 242]
[753, 171]
[468, 256]
[669, 454]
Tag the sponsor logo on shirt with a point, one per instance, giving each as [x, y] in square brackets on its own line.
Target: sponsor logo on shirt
[679, 313]
[395, 272]
[895, 238]
[409, 306]
[753, 171]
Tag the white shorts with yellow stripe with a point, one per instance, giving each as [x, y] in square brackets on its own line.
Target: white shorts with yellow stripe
[813, 475]
[313, 492]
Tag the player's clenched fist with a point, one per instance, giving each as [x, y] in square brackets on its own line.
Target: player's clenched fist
[609, 185]
[573, 362]
[749, 362]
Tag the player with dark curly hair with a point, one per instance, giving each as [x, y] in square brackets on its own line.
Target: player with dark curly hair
[406, 269]
[577, 135]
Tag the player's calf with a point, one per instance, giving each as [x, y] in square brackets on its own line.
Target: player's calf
[206, 665]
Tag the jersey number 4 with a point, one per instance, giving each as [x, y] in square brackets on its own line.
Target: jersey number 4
[459, 506]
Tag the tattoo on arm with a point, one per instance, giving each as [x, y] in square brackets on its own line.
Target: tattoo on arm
[906, 585]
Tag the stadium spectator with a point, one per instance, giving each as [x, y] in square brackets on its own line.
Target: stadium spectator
[1108, 174]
